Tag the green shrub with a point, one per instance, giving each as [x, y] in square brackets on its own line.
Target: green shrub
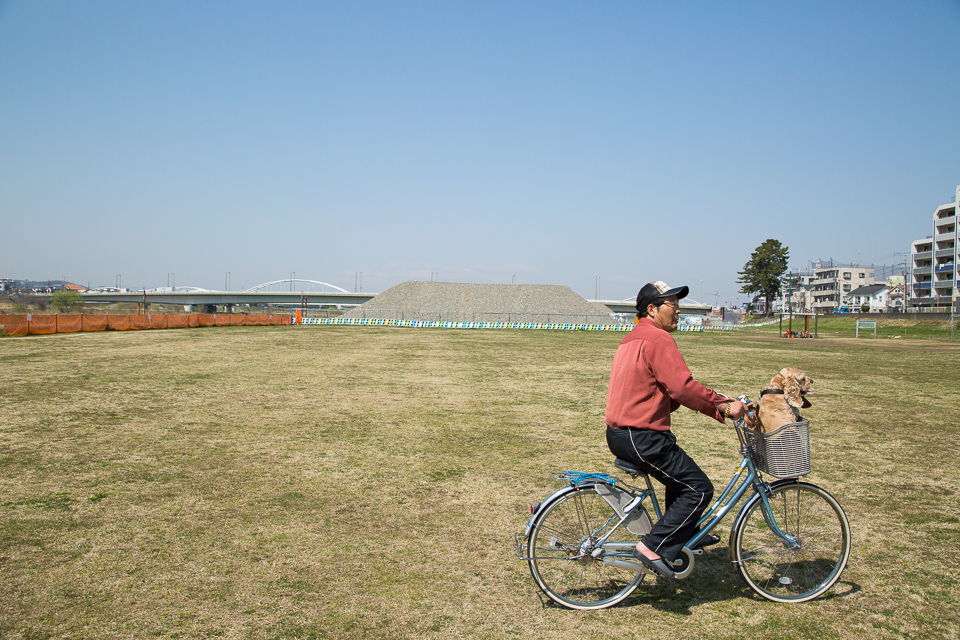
[66, 301]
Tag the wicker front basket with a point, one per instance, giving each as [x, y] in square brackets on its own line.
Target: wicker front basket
[784, 453]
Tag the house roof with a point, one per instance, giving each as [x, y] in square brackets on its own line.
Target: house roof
[868, 290]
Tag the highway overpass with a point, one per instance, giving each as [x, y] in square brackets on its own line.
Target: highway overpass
[233, 298]
[200, 299]
[687, 307]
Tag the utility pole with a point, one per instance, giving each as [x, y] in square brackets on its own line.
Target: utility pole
[905, 282]
[790, 294]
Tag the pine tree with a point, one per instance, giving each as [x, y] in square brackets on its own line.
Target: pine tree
[761, 275]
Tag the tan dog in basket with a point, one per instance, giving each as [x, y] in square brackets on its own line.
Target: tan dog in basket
[781, 401]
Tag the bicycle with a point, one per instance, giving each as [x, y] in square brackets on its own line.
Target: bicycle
[790, 541]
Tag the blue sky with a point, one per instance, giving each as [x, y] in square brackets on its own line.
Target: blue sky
[529, 142]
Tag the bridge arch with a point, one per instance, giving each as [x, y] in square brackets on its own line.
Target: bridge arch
[289, 284]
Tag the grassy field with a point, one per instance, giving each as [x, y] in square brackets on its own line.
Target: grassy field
[362, 482]
[892, 326]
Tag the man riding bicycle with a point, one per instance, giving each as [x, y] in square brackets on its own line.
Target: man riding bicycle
[648, 381]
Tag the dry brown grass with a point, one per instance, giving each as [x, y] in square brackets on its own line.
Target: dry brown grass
[361, 482]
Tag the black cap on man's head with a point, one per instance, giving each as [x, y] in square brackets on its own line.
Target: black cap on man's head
[653, 292]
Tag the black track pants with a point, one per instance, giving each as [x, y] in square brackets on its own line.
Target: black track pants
[688, 490]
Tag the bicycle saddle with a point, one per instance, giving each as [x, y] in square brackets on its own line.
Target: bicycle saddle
[629, 467]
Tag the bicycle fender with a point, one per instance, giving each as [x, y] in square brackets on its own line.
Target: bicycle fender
[554, 497]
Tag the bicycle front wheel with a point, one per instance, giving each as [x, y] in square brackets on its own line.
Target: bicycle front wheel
[566, 564]
[815, 555]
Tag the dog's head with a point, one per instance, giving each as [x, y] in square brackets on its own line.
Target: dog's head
[796, 386]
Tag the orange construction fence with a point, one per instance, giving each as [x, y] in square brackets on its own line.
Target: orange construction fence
[32, 324]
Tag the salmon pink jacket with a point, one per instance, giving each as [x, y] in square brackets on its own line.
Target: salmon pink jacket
[649, 380]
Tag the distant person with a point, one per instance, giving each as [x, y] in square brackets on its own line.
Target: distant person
[648, 381]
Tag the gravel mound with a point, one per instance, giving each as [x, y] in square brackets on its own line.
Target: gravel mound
[458, 302]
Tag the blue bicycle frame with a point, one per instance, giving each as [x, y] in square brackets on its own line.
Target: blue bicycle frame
[744, 478]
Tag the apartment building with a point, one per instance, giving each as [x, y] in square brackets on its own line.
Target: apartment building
[934, 282]
[833, 281]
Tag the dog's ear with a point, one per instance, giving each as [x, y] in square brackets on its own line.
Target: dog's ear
[778, 380]
[791, 391]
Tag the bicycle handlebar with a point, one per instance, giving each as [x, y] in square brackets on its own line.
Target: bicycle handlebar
[746, 401]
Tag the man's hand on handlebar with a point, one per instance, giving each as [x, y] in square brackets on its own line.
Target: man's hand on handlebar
[736, 409]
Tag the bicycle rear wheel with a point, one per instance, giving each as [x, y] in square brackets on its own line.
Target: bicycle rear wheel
[562, 545]
[807, 567]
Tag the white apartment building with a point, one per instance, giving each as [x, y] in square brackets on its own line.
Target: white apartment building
[934, 282]
[833, 281]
